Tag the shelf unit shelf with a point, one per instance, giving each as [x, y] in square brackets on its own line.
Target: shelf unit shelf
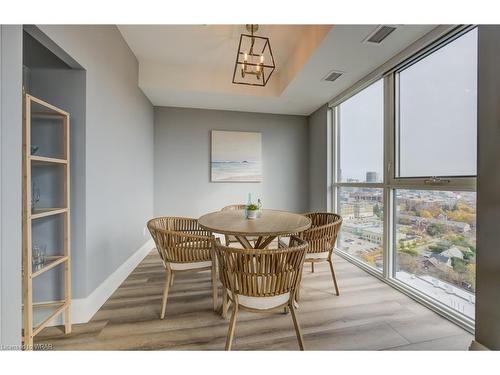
[47, 115]
[44, 160]
[44, 212]
[44, 313]
[36, 316]
[52, 261]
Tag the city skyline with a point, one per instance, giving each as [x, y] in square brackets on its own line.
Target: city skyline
[434, 239]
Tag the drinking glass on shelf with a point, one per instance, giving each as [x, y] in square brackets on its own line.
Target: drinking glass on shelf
[38, 256]
[35, 196]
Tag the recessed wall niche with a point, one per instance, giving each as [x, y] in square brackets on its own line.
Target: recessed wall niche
[58, 84]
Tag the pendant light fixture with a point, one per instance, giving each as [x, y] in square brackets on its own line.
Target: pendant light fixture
[254, 60]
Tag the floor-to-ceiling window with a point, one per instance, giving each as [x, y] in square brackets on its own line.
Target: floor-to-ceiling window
[405, 175]
[359, 174]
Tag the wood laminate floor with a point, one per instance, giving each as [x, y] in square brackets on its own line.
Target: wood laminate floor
[368, 315]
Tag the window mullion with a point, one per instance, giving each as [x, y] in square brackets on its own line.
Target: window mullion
[335, 155]
[389, 164]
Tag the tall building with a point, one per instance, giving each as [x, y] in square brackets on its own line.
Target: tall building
[371, 177]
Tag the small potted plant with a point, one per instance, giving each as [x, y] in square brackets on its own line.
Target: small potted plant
[252, 210]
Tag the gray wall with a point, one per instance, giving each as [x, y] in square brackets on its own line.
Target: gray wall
[488, 189]
[182, 161]
[319, 165]
[119, 147]
[10, 184]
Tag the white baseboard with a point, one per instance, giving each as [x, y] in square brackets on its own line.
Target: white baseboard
[83, 309]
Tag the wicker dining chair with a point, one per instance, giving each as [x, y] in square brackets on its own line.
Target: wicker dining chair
[321, 237]
[232, 239]
[184, 247]
[261, 280]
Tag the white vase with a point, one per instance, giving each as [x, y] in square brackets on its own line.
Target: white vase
[252, 214]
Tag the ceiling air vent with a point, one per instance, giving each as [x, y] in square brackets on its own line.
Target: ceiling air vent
[379, 34]
[333, 75]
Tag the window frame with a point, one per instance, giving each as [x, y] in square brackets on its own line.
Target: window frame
[391, 183]
[465, 182]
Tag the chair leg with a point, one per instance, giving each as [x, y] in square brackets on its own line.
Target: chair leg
[333, 276]
[312, 267]
[297, 326]
[214, 286]
[232, 325]
[168, 279]
[297, 291]
[172, 280]
[224, 303]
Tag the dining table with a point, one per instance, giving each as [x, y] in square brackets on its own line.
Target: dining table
[261, 230]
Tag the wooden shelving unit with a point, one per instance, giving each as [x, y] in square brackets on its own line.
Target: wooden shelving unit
[37, 316]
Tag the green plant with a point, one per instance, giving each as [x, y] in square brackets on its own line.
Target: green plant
[252, 207]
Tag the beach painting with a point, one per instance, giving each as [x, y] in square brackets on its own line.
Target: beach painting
[236, 156]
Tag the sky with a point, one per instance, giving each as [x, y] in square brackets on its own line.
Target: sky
[438, 117]
[438, 110]
[362, 133]
[236, 146]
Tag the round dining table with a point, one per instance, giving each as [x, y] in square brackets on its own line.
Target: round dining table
[264, 229]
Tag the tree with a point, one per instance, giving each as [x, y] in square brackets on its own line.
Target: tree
[426, 214]
[459, 265]
[435, 229]
[439, 247]
[470, 275]
[409, 263]
[469, 255]
[410, 251]
[459, 240]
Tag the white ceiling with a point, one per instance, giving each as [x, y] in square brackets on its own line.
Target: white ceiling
[203, 44]
[192, 65]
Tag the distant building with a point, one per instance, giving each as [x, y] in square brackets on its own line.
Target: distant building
[425, 201]
[371, 177]
[356, 210]
[366, 232]
[347, 211]
[370, 196]
[439, 261]
[453, 252]
[422, 223]
[444, 259]
[407, 239]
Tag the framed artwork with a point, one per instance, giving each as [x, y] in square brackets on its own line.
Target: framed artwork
[236, 156]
